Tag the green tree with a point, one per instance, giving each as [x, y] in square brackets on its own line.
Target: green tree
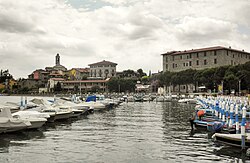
[145, 79]
[141, 73]
[95, 88]
[58, 87]
[121, 85]
[231, 80]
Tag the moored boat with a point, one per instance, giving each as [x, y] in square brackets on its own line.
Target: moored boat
[231, 139]
[8, 123]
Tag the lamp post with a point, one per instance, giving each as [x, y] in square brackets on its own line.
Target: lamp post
[222, 87]
[239, 87]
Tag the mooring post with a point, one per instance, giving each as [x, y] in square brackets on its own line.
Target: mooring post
[237, 119]
[223, 111]
[243, 132]
[21, 101]
[231, 115]
[25, 102]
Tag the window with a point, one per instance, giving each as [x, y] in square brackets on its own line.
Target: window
[190, 63]
[173, 58]
[173, 65]
[167, 66]
[166, 59]
[215, 53]
[197, 55]
[205, 54]
[190, 55]
[215, 61]
[233, 55]
[232, 62]
[205, 62]
[197, 62]
[184, 64]
[227, 52]
[181, 57]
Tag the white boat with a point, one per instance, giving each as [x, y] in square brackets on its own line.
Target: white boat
[130, 99]
[11, 124]
[97, 106]
[231, 139]
[77, 108]
[188, 100]
[36, 118]
[55, 112]
[159, 99]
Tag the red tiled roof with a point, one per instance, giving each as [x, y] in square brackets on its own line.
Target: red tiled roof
[202, 50]
[103, 63]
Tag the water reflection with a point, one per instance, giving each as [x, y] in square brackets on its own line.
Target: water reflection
[231, 152]
[15, 139]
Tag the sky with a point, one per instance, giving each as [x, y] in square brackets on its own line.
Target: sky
[131, 33]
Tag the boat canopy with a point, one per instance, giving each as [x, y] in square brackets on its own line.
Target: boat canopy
[91, 98]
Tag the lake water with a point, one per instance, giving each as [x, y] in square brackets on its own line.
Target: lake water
[131, 133]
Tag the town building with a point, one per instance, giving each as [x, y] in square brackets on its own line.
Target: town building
[78, 73]
[57, 71]
[175, 61]
[84, 85]
[40, 78]
[52, 83]
[103, 69]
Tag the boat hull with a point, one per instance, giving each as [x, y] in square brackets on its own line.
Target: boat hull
[231, 139]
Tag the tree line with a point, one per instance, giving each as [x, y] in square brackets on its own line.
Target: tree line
[232, 77]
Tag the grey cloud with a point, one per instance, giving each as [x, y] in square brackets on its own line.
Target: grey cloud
[14, 24]
[144, 26]
[142, 33]
[199, 30]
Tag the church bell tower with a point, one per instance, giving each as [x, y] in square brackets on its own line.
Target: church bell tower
[57, 59]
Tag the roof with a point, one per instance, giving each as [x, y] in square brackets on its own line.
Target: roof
[103, 63]
[82, 69]
[55, 74]
[202, 50]
[85, 81]
[57, 79]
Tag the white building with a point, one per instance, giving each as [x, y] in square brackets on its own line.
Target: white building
[103, 69]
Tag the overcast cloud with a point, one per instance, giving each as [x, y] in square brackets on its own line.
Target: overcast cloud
[132, 33]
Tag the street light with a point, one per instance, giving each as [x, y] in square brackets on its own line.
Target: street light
[239, 88]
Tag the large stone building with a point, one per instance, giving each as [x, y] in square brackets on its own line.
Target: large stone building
[211, 57]
[103, 69]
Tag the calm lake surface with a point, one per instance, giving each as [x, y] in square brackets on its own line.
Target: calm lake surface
[131, 133]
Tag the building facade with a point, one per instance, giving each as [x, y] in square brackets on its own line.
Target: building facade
[84, 85]
[78, 73]
[198, 59]
[103, 69]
